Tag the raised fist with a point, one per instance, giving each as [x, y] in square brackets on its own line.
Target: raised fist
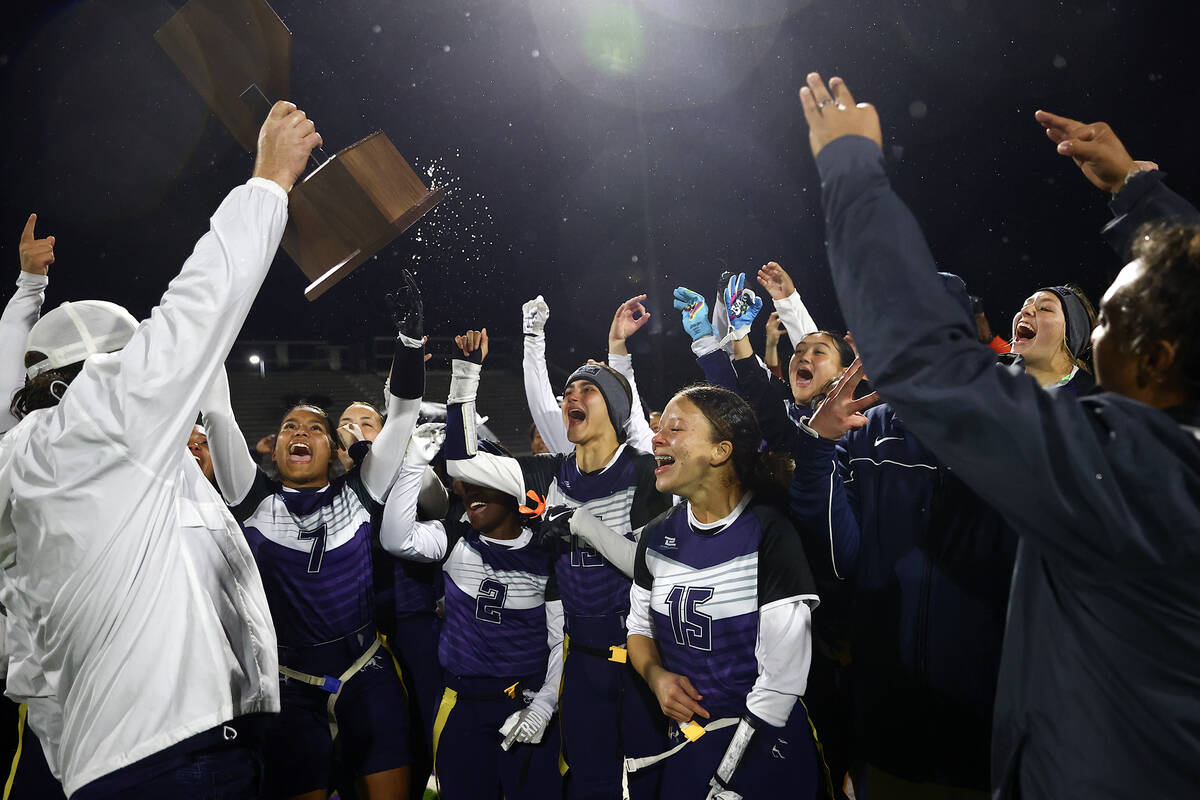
[286, 139]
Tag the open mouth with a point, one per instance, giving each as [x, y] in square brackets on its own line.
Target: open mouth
[575, 416]
[804, 374]
[1024, 331]
[299, 453]
[664, 462]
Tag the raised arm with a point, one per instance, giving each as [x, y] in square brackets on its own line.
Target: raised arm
[234, 467]
[406, 386]
[463, 459]
[21, 312]
[789, 306]
[150, 391]
[539, 393]
[629, 318]
[1138, 193]
[923, 356]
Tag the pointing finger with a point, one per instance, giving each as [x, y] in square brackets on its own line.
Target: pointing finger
[27, 234]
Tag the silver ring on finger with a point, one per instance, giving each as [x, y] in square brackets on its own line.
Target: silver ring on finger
[824, 103]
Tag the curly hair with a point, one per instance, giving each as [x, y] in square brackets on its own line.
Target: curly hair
[39, 391]
[732, 420]
[1164, 306]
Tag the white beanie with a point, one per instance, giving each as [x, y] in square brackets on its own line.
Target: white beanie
[74, 331]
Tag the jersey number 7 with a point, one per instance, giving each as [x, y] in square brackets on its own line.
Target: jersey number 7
[317, 555]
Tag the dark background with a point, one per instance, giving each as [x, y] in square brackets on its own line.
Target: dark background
[594, 150]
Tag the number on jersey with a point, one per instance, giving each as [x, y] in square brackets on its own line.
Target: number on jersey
[691, 627]
[490, 602]
[316, 556]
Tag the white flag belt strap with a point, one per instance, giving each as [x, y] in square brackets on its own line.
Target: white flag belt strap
[635, 764]
[331, 684]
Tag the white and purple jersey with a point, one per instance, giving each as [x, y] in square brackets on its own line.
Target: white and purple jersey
[705, 591]
[496, 596]
[313, 549]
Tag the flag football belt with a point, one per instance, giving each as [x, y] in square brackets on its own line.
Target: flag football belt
[691, 732]
[331, 684]
[613, 652]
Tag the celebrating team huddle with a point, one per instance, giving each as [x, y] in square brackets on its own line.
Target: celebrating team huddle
[390, 601]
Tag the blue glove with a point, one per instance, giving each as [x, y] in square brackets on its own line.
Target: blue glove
[742, 304]
[695, 313]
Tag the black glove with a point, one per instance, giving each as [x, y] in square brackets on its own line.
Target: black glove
[406, 309]
[556, 525]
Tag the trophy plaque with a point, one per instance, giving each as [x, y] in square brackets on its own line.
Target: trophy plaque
[237, 55]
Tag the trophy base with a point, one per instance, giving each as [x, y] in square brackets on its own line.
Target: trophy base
[350, 208]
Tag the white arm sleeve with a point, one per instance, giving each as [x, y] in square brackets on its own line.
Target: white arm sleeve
[546, 700]
[152, 387]
[539, 394]
[616, 548]
[233, 465]
[637, 429]
[784, 652]
[638, 620]
[21, 311]
[795, 318]
[399, 531]
[381, 464]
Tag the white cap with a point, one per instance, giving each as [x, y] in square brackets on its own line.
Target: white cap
[74, 331]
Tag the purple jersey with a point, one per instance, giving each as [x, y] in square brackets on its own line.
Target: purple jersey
[622, 496]
[706, 588]
[313, 549]
[495, 607]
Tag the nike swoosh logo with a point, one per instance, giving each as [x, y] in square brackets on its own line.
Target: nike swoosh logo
[880, 440]
[559, 515]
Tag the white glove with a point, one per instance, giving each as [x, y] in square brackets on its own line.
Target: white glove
[717, 793]
[426, 441]
[534, 315]
[527, 725]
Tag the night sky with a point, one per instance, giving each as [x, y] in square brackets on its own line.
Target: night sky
[594, 150]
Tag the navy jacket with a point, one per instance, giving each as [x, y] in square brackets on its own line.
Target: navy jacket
[929, 564]
[1099, 689]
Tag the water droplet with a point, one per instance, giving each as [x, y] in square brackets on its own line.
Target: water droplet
[376, 29]
[917, 109]
[1060, 62]
[535, 53]
[446, 47]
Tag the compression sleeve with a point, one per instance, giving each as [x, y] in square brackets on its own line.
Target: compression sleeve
[539, 394]
[399, 531]
[546, 699]
[795, 318]
[405, 387]
[234, 467]
[637, 429]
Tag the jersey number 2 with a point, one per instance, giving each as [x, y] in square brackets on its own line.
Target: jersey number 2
[691, 627]
[317, 555]
[490, 601]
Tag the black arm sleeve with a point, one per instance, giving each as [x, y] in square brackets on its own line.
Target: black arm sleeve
[762, 392]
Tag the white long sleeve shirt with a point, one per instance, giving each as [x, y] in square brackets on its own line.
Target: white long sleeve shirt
[148, 615]
[20, 313]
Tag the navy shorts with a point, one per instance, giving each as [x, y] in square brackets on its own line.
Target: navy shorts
[777, 758]
[372, 718]
[608, 712]
[30, 775]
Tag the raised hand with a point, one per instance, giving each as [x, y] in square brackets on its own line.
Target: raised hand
[742, 306]
[36, 254]
[405, 307]
[775, 331]
[534, 315]
[677, 697]
[695, 312]
[1095, 149]
[832, 113]
[628, 319]
[286, 139]
[841, 413]
[474, 345]
[776, 281]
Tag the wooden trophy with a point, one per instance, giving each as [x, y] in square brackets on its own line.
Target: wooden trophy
[237, 55]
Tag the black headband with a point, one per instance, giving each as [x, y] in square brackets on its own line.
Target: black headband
[1078, 324]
